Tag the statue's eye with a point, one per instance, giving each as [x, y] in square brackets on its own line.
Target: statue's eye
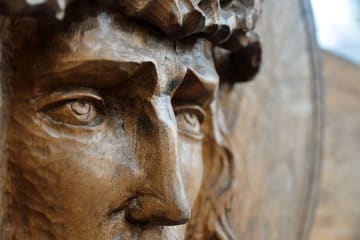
[80, 110]
[189, 119]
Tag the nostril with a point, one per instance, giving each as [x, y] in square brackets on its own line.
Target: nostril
[134, 206]
[145, 209]
[121, 211]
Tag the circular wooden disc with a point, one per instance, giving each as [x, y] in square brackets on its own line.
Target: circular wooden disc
[276, 127]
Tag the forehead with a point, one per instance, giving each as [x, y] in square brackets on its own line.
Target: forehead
[113, 48]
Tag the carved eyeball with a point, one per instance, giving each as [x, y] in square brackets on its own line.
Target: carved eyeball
[189, 119]
[81, 108]
[74, 109]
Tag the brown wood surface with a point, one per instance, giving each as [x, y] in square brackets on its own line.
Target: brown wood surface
[275, 124]
[338, 214]
[110, 127]
[101, 134]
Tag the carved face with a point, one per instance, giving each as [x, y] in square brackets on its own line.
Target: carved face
[104, 136]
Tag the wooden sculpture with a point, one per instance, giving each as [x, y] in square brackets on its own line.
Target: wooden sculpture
[111, 103]
[114, 117]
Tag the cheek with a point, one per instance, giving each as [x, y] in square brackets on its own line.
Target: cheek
[190, 151]
[76, 173]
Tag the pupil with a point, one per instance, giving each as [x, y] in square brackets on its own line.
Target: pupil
[191, 119]
[81, 108]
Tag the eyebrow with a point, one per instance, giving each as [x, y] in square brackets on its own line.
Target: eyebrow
[122, 77]
[195, 89]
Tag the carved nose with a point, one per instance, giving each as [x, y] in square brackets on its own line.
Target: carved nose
[162, 210]
[161, 198]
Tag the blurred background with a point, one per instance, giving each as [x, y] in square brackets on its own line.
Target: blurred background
[338, 25]
[338, 30]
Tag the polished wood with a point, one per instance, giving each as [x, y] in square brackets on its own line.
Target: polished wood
[338, 211]
[275, 127]
[134, 120]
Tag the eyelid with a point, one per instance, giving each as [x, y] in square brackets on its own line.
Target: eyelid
[65, 95]
[198, 136]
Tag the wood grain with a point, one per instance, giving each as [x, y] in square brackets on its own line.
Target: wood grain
[275, 128]
[338, 212]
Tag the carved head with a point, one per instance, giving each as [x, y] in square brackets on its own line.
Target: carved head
[109, 127]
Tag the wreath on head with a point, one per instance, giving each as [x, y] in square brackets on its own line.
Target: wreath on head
[216, 19]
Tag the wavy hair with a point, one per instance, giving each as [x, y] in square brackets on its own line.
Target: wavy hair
[211, 217]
